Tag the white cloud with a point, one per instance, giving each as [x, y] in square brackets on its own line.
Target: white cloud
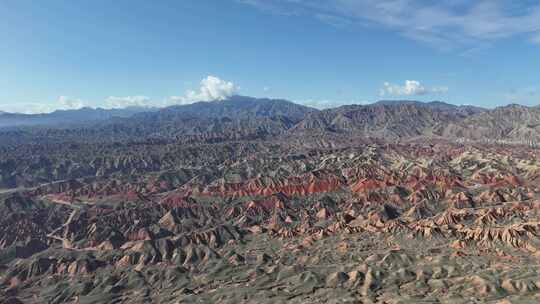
[445, 24]
[177, 100]
[411, 87]
[28, 108]
[68, 103]
[127, 101]
[325, 104]
[62, 103]
[211, 88]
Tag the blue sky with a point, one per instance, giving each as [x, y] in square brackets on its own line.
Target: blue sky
[67, 54]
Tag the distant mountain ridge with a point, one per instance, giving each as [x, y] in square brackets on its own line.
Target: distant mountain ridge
[241, 117]
[434, 104]
[67, 117]
[233, 107]
[384, 119]
[509, 123]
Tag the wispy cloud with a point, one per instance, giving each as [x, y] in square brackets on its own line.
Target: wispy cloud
[334, 20]
[62, 103]
[128, 101]
[445, 24]
[325, 103]
[280, 7]
[28, 108]
[410, 88]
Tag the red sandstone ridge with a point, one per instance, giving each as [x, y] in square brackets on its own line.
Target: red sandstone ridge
[317, 218]
[313, 182]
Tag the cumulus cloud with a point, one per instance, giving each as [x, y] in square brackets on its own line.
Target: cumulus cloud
[68, 103]
[410, 88]
[127, 101]
[211, 88]
[445, 24]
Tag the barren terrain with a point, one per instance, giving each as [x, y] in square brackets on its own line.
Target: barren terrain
[295, 216]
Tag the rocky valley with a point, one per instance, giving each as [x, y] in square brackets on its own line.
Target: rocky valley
[266, 201]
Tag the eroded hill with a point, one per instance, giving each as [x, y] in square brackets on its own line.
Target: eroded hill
[249, 223]
[261, 201]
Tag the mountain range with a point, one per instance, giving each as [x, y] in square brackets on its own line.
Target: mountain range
[251, 200]
[241, 117]
[67, 117]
